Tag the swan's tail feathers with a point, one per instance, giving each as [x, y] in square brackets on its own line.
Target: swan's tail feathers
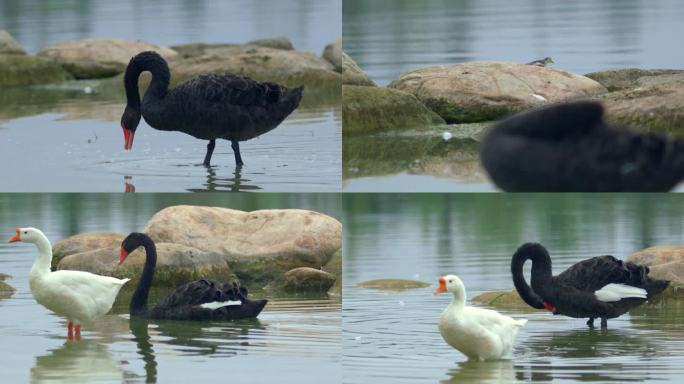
[616, 292]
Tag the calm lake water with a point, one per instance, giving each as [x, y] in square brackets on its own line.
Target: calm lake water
[293, 339]
[392, 337]
[310, 24]
[390, 37]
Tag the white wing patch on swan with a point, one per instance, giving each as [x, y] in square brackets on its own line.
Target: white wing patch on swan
[616, 292]
[219, 304]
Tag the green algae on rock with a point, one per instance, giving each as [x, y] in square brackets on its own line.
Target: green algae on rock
[393, 284]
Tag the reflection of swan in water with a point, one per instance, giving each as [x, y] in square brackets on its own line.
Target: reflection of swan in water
[141, 337]
[208, 338]
[234, 184]
[485, 372]
[84, 361]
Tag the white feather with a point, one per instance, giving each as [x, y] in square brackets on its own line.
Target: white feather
[616, 292]
[539, 98]
[219, 304]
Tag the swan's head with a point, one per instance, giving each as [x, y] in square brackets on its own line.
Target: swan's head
[450, 283]
[129, 123]
[27, 235]
[130, 244]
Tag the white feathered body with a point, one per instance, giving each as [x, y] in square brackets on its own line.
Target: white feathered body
[479, 333]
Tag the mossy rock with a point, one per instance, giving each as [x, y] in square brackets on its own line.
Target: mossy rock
[458, 113]
[6, 290]
[509, 300]
[393, 284]
[30, 70]
[302, 280]
[376, 109]
[84, 242]
[620, 79]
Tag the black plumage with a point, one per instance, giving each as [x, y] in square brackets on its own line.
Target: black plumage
[208, 107]
[572, 293]
[185, 303]
[569, 148]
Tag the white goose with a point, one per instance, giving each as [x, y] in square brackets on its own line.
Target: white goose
[478, 333]
[77, 295]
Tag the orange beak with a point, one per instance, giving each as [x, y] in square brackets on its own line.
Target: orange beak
[122, 256]
[441, 288]
[15, 238]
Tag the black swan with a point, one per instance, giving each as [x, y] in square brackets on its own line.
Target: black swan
[197, 300]
[601, 287]
[208, 107]
[569, 148]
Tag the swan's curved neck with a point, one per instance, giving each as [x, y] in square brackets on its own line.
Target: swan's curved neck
[159, 86]
[142, 291]
[541, 273]
[44, 261]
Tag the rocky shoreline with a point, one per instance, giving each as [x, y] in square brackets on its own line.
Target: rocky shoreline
[283, 251]
[273, 60]
[646, 100]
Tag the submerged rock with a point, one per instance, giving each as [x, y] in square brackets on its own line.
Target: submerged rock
[483, 91]
[8, 45]
[85, 242]
[97, 58]
[656, 107]
[352, 73]
[176, 264]
[393, 284]
[503, 300]
[377, 109]
[6, 290]
[333, 53]
[289, 68]
[302, 280]
[259, 246]
[619, 79]
[280, 42]
[30, 70]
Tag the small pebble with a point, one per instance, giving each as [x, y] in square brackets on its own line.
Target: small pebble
[88, 90]
[446, 136]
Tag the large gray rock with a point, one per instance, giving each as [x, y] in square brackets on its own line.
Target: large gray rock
[333, 53]
[30, 70]
[302, 280]
[656, 107]
[97, 58]
[666, 262]
[176, 264]
[287, 67]
[378, 109]
[619, 79]
[84, 242]
[259, 245]
[482, 91]
[334, 266]
[9, 46]
[281, 42]
[352, 74]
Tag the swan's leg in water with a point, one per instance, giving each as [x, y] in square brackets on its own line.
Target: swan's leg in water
[70, 333]
[590, 322]
[236, 149]
[78, 332]
[604, 323]
[210, 151]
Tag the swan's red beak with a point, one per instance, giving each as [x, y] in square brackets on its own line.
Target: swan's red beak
[441, 288]
[15, 238]
[128, 137]
[122, 256]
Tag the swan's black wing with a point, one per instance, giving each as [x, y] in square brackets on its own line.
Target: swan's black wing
[229, 89]
[202, 292]
[593, 274]
[553, 122]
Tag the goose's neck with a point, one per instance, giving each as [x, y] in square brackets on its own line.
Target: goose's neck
[44, 261]
[142, 291]
[159, 86]
[458, 302]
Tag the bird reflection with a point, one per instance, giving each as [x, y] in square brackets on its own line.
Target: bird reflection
[233, 184]
[128, 184]
[77, 362]
[475, 371]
